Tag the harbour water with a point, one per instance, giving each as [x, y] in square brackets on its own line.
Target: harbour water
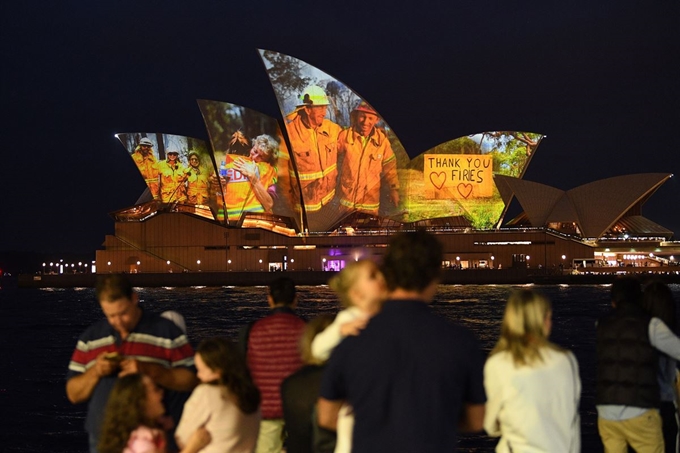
[40, 328]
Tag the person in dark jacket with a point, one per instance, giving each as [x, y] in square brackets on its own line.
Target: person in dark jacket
[627, 390]
[299, 393]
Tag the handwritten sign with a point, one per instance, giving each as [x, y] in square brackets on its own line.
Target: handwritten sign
[461, 176]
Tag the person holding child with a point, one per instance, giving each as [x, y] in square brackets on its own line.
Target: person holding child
[362, 290]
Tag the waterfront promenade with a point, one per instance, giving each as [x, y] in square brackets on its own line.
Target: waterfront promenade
[513, 276]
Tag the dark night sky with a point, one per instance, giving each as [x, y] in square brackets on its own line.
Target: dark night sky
[599, 78]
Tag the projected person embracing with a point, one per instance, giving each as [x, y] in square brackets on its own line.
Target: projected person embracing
[367, 160]
[246, 183]
[412, 378]
[130, 340]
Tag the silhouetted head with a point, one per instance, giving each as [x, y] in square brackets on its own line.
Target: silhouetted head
[413, 261]
[282, 292]
[658, 301]
[626, 291]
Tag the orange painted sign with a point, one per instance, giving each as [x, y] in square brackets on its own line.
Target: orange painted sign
[461, 176]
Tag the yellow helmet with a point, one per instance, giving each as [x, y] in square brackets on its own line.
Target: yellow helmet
[313, 95]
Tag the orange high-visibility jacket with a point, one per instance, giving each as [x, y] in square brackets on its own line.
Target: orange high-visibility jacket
[239, 195]
[172, 179]
[197, 186]
[315, 154]
[148, 167]
[366, 162]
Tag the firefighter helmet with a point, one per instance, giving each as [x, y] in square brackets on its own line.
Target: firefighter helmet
[314, 95]
[364, 106]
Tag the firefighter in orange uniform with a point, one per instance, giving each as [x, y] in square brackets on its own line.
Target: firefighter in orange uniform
[314, 141]
[147, 165]
[172, 177]
[248, 181]
[367, 162]
[197, 181]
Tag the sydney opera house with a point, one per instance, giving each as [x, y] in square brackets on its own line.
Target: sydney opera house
[330, 182]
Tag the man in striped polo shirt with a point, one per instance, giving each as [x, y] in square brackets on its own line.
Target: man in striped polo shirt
[130, 340]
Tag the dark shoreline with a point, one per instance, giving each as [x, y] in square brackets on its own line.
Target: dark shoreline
[449, 277]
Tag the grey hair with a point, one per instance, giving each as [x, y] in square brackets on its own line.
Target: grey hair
[268, 144]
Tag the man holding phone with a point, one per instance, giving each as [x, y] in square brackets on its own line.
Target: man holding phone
[130, 340]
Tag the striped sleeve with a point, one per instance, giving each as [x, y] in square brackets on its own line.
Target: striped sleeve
[170, 353]
[86, 352]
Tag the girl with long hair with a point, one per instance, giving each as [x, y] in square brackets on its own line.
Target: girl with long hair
[532, 385]
[227, 402]
[131, 422]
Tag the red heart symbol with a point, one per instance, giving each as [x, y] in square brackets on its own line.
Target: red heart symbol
[438, 179]
[465, 190]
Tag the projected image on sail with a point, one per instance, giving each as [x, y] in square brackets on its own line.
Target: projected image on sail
[176, 169]
[346, 156]
[254, 173]
[456, 178]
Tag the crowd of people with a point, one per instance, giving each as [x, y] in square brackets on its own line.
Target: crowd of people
[386, 374]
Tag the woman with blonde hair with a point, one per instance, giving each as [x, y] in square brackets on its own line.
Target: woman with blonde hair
[532, 385]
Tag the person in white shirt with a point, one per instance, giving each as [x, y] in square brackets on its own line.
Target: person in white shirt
[532, 385]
